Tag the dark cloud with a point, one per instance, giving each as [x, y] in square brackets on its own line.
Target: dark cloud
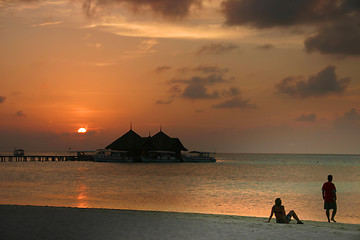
[353, 115]
[90, 8]
[236, 102]
[274, 13]
[233, 91]
[349, 121]
[205, 86]
[197, 87]
[337, 22]
[266, 46]
[20, 114]
[2, 99]
[166, 8]
[340, 38]
[162, 69]
[207, 80]
[323, 83]
[210, 69]
[173, 92]
[207, 69]
[198, 91]
[164, 102]
[307, 118]
[216, 48]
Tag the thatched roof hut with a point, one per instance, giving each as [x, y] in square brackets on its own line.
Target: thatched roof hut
[139, 146]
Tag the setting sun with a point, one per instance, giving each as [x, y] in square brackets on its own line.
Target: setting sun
[82, 130]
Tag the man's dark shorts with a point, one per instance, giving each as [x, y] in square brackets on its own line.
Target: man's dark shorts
[330, 205]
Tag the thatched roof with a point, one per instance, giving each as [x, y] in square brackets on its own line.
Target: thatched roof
[131, 141]
[163, 142]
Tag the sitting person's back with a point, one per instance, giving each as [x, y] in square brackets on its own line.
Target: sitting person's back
[279, 212]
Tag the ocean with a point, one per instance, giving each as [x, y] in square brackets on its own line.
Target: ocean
[237, 184]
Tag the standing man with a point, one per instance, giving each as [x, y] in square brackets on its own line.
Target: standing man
[329, 196]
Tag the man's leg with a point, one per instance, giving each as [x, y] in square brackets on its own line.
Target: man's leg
[328, 214]
[334, 213]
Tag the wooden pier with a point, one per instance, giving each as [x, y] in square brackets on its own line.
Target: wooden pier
[12, 158]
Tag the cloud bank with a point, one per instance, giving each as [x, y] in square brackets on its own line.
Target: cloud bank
[204, 82]
[216, 48]
[337, 22]
[198, 91]
[323, 83]
[284, 13]
[196, 87]
[349, 121]
[339, 38]
[165, 8]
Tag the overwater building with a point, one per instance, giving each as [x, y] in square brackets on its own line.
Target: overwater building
[139, 146]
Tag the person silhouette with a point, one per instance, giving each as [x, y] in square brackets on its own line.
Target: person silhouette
[329, 195]
[280, 214]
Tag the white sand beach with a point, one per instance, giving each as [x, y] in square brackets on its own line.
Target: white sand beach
[33, 222]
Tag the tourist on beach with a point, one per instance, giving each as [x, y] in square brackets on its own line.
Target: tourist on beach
[329, 195]
[280, 214]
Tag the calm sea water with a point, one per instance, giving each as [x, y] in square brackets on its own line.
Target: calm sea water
[238, 184]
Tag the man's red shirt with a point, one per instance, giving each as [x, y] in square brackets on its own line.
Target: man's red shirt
[329, 190]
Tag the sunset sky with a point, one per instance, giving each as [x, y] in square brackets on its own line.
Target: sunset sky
[261, 76]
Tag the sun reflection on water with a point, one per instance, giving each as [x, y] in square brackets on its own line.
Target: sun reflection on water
[82, 200]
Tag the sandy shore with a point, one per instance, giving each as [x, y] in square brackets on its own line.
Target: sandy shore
[30, 222]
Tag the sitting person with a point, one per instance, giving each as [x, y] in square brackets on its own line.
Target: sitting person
[280, 214]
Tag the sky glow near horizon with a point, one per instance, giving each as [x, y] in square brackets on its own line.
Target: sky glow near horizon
[232, 76]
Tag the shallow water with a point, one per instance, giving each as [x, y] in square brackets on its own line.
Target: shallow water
[237, 184]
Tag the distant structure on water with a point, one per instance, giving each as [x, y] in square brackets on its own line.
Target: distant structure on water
[19, 152]
[139, 146]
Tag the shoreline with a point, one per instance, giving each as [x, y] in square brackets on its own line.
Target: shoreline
[45, 222]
